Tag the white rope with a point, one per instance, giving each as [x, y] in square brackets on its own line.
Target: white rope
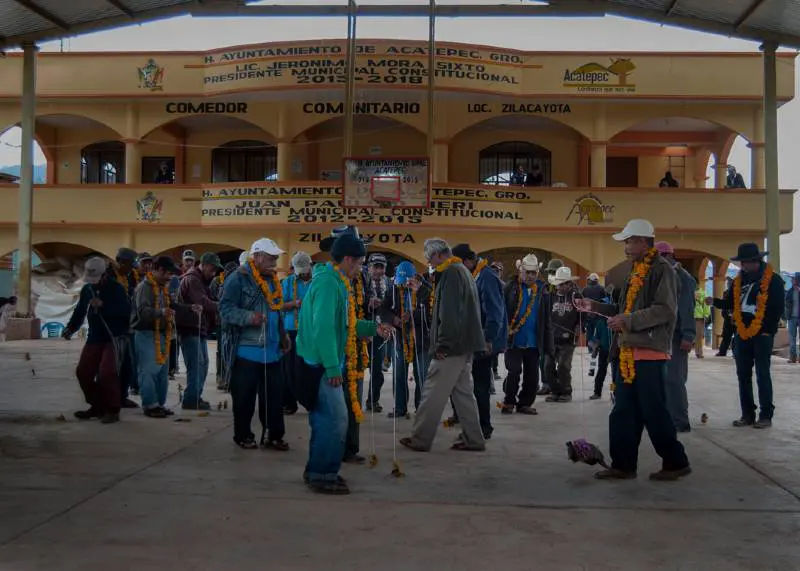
[263, 402]
[199, 342]
[373, 457]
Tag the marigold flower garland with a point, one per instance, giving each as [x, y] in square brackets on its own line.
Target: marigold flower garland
[351, 349]
[360, 315]
[274, 298]
[482, 263]
[754, 328]
[408, 340]
[161, 356]
[447, 263]
[516, 327]
[639, 272]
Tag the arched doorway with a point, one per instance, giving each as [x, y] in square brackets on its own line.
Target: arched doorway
[103, 163]
[515, 162]
[225, 252]
[11, 158]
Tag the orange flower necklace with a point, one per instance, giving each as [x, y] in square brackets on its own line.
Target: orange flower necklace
[408, 339]
[636, 279]
[515, 324]
[351, 348]
[754, 328]
[274, 297]
[447, 263]
[482, 263]
[362, 343]
[161, 356]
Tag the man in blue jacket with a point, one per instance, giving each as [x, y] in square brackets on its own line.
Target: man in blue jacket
[105, 302]
[682, 342]
[494, 321]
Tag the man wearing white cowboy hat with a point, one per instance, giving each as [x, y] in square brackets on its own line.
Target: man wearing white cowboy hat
[644, 320]
[530, 335]
[565, 322]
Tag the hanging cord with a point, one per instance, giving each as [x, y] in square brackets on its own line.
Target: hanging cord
[199, 380]
[396, 471]
[263, 400]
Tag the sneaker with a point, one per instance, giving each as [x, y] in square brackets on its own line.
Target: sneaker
[744, 422]
[763, 423]
[543, 391]
[564, 398]
[196, 405]
[110, 418]
[156, 412]
[551, 398]
[595, 397]
[670, 475]
[614, 474]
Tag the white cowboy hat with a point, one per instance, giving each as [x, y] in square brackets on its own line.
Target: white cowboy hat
[529, 263]
[562, 275]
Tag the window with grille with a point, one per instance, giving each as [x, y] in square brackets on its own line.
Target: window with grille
[103, 163]
[515, 162]
[244, 161]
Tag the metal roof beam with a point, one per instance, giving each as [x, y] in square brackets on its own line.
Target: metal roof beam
[756, 4]
[122, 8]
[572, 9]
[44, 14]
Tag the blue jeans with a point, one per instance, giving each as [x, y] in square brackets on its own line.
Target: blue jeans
[195, 357]
[793, 325]
[328, 422]
[153, 379]
[755, 352]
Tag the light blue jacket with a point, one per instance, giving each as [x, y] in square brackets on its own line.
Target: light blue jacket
[291, 318]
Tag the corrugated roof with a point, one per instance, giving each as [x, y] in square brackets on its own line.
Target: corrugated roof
[43, 20]
[775, 21]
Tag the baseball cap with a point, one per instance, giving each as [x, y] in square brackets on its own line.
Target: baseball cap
[94, 269]
[212, 259]
[126, 255]
[166, 263]
[243, 257]
[188, 255]
[377, 259]
[301, 262]
[636, 227]
[266, 246]
[593, 277]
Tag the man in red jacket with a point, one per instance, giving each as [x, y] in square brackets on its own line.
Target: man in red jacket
[195, 290]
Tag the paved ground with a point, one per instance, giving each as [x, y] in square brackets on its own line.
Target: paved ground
[153, 494]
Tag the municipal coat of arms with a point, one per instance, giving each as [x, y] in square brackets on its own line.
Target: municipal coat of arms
[151, 76]
[149, 208]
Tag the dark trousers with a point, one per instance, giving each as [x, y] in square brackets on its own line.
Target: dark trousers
[251, 380]
[522, 363]
[482, 381]
[559, 369]
[174, 354]
[495, 363]
[602, 369]
[727, 335]
[352, 440]
[289, 400]
[756, 351]
[220, 371]
[376, 379]
[129, 376]
[97, 376]
[639, 405]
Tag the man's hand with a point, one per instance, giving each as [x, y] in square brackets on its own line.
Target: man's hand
[489, 347]
[413, 283]
[96, 302]
[397, 322]
[258, 319]
[584, 305]
[406, 317]
[286, 343]
[335, 381]
[168, 313]
[374, 303]
[385, 330]
[617, 323]
[686, 346]
[197, 308]
[66, 334]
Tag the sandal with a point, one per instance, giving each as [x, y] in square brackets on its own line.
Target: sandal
[408, 443]
[249, 444]
[462, 446]
[279, 444]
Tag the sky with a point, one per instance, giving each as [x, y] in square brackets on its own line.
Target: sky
[534, 34]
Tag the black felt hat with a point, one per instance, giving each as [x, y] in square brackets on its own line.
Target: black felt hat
[748, 252]
[326, 244]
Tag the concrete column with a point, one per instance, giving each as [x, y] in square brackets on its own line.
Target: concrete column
[583, 163]
[133, 162]
[719, 289]
[772, 194]
[284, 160]
[598, 164]
[720, 175]
[24, 308]
[440, 161]
[757, 164]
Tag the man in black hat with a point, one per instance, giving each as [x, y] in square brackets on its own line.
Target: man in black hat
[494, 321]
[377, 287]
[754, 343]
[123, 272]
[145, 263]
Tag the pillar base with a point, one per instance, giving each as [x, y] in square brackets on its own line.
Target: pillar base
[19, 328]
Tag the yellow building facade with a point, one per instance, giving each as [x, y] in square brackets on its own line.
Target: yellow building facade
[167, 151]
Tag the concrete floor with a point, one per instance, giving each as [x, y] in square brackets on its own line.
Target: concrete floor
[156, 494]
